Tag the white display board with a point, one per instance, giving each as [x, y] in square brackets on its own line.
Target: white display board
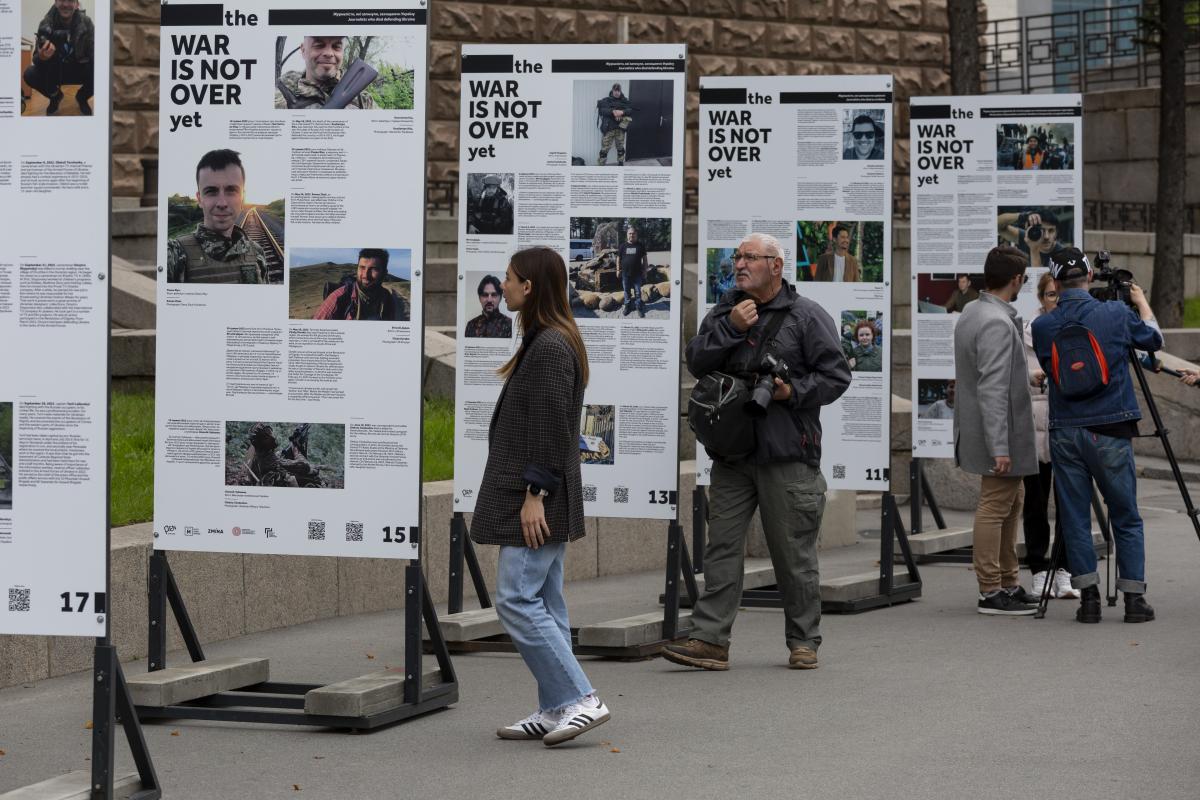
[530, 174]
[54, 286]
[808, 160]
[288, 413]
[977, 183]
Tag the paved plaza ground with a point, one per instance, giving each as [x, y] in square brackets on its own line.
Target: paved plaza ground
[926, 700]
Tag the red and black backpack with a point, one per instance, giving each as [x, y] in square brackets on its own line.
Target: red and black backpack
[1077, 362]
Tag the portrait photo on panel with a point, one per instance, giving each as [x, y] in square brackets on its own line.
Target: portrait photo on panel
[350, 283]
[7, 479]
[1035, 145]
[290, 455]
[491, 203]
[57, 63]
[224, 228]
[862, 134]
[839, 251]
[947, 292]
[598, 435]
[862, 340]
[935, 398]
[1038, 231]
[349, 73]
[629, 273]
[486, 314]
[718, 273]
[622, 123]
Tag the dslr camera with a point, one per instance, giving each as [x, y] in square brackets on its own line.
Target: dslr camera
[56, 36]
[767, 371]
[1118, 281]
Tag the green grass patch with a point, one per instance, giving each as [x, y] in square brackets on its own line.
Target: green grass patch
[132, 478]
[1191, 312]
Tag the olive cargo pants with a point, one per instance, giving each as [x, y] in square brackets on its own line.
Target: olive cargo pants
[615, 137]
[790, 497]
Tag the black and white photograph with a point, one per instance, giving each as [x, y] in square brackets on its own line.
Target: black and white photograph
[305, 455]
[1037, 231]
[947, 292]
[935, 398]
[622, 123]
[862, 340]
[58, 47]
[598, 435]
[6, 456]
[491, 203]
[343, 73]
[862, 134]
[490, 319]
[346, 283]
[1035, 145]
[629, 273]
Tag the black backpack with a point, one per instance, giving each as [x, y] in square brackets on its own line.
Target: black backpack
[716, 406]
[1077, 362]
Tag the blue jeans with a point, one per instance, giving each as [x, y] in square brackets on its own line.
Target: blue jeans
[632, 284]
[531, 606]
[1079, 457]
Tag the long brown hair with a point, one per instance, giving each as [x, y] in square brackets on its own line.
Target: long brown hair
[546, 305]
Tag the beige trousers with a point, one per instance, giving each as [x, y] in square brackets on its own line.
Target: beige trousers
[995, 545]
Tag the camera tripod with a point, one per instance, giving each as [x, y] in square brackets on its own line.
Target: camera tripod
[1058, 552]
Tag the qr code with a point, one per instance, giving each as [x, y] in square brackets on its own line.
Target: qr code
[589, 493]
[839, 472]
[316, 530]
[620, 494]
[18, 598]
[354, 531]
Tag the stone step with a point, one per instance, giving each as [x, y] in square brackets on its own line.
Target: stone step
[758, 573]
[365, 695]
[630, 631]
[467, 626]
[131, 353]
[939, 541]
[134, 297]
[174, 685]
[76, 785]
[855, 587]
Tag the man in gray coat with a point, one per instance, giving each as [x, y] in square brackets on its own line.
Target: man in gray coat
[993, 427]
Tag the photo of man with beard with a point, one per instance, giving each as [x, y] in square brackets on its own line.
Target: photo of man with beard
[323, 57]
[492, 323]
[365, 297]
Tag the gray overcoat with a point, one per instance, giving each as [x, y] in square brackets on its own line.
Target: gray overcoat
[993, 415]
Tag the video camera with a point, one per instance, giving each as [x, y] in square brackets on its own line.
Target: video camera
[1119, 281]
[761, 393]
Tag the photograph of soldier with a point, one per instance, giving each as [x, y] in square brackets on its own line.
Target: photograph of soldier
[622, 123]
[947, 292]
[1037, 145]
[343, 72]
[57, 58]
[718, 273]
[7, 479]
[311, 457]
[494, 320]
[1038, 231]
[490, 200]
[839, 251]
[862, 135]
[862, 340]
[598, 435]
[342, 283]
[629, 273]
[935, 398]
[218, 237]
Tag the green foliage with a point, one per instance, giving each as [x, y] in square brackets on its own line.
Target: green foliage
[393, 88]
[1191, 312]
[326, 444]
[183, 215]
[6, 431]
[276, 207]
[654, 233]
[438, 460]
[866, 244]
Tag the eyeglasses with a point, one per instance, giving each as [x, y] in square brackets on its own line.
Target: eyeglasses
[751, 257]
[863, 134]
[1053, 295]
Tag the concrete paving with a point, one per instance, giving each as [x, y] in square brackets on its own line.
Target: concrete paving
[926, 700]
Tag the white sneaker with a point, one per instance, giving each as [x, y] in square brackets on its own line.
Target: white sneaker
[1062, 585]
[1039, 583]
[577, 718]
[535, 726]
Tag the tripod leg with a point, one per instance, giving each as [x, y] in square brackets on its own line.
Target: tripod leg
[1110, 566]
[1058, 554]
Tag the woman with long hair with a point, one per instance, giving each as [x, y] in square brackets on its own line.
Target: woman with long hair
[531, 497]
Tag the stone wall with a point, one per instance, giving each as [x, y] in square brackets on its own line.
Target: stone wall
[906, 38]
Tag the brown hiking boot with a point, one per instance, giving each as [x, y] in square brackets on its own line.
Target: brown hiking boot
[696, 653]
[803, 658]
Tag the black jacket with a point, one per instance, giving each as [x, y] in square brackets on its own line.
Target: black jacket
[82, 36]
[605, 107]
[807, 341]
[535, 423]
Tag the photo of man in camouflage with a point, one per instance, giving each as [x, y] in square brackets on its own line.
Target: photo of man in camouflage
[489, 204]
[64, 45]
[317, 85]
[218, 251]
[615, 112]
[264, 463]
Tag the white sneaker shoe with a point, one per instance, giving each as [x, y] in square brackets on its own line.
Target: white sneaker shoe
[577, 718]
[1039, 584]
[1062, 585]
[535, 726]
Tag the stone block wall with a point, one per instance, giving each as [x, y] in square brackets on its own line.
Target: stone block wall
[906, 38]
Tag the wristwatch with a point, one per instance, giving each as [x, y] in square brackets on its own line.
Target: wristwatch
[537, 491]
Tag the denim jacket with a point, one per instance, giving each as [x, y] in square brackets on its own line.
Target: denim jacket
[1116, 327]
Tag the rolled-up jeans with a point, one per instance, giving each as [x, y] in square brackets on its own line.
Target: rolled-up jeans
[531, 606]
[1080, 456]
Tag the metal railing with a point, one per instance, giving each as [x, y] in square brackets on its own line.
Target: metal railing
[1076, 51]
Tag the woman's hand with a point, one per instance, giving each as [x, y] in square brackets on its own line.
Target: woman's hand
[533, 521]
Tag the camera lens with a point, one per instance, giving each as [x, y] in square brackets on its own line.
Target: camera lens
[1034, 233]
